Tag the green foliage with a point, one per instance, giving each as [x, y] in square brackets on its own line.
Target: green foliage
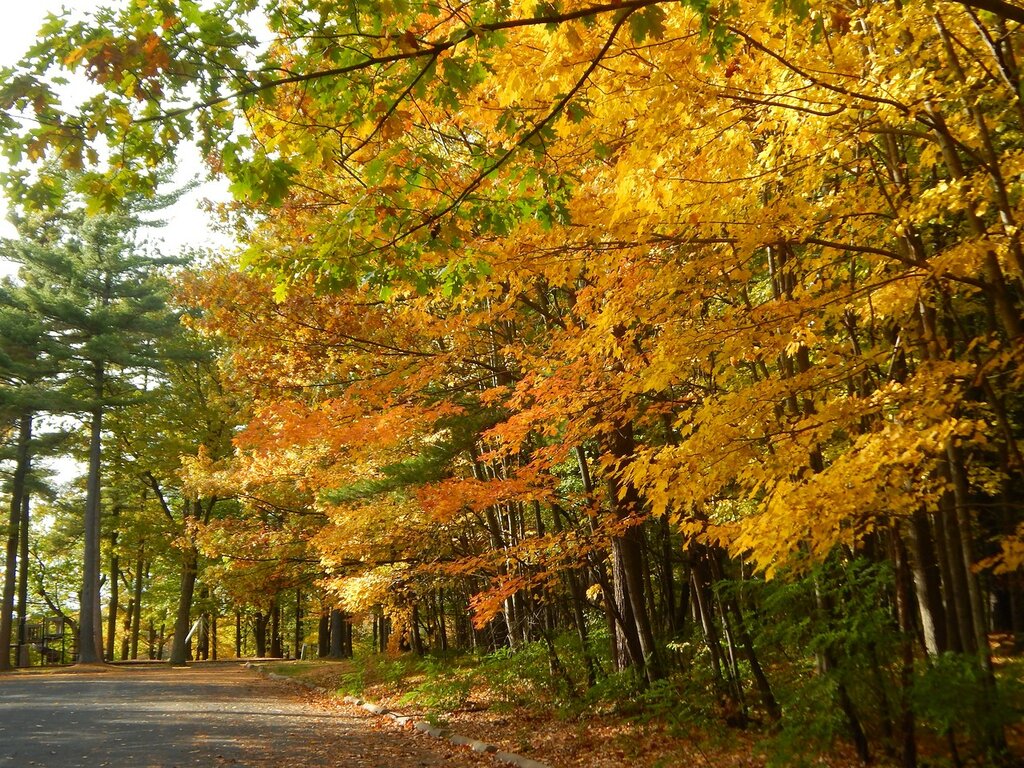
[811, 725]
[648, 24]
[516, 676]
[840, 608]
[840, 619]
[953, 694]
[445, 688]
[353, 682]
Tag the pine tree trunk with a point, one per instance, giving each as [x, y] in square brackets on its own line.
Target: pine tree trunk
[275, 630]
[115, 571]
[298, 623]
[323, 635]
[23, 577]
[337, 634]
[11, 553]
[90, 643]
[137, 604]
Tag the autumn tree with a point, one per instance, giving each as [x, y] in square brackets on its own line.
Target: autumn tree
[717, 289]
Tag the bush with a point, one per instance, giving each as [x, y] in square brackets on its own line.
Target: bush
[952, 694]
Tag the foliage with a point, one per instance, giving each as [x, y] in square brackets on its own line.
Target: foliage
[572, 313]
[952, 697]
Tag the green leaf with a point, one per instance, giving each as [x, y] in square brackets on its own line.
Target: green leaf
[648, 23]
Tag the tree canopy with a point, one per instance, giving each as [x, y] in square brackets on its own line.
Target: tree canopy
[579, 299]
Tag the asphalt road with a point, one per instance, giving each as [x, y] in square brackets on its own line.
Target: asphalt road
[206, 715]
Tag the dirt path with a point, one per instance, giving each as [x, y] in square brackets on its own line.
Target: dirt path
[205, 715]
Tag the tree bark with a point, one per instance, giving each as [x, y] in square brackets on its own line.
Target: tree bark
[90, 644]
[628, 557]
[927, 584]
[23, 574]
[115, 572]
[182, 624]
[11, 553]
[337, 634]
[261, 619]
[275, 629]
[137, 605]
[238, 634]
[323, 635]
[298, 623]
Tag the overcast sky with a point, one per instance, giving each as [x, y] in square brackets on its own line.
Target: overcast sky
[187, 226]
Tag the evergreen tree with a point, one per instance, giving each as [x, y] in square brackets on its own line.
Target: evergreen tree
[103, 300]
[27, 368]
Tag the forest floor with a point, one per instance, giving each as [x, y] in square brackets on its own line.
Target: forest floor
[208, 714]
[148, 715]
[662, 728]
[592, 738]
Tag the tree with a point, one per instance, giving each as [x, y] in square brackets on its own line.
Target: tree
[716, 290]
[27, 367]
[103, 303]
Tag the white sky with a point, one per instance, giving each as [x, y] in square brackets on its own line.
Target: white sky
[187, 225]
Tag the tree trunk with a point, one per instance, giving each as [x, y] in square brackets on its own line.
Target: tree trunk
[126, 631]
[137, 604]
[908, 742]
[417, 639]
[275, 630]
[337, 634]
[115, 572]
[628, 556]
[182, 623]
[298, 623]
[628, 650]
[261, 619]
[238, 634]
[90, 644]
[730, 606]
[23, 577]
[11, 553]
[323, 635]
[927, 585]
[203, 639]
[442, 626]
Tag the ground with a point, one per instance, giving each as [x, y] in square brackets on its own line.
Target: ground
[153, 716]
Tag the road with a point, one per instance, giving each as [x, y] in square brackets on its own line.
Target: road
[206, 715]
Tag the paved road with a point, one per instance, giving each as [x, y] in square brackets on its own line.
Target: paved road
[205, 715]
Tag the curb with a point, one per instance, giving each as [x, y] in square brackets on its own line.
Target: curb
[508, 758]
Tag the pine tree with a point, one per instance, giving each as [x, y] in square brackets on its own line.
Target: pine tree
[27, 368]
[103, 299]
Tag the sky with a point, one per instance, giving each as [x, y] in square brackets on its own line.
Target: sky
[187, 225]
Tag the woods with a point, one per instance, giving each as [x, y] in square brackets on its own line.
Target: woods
[672, 344]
